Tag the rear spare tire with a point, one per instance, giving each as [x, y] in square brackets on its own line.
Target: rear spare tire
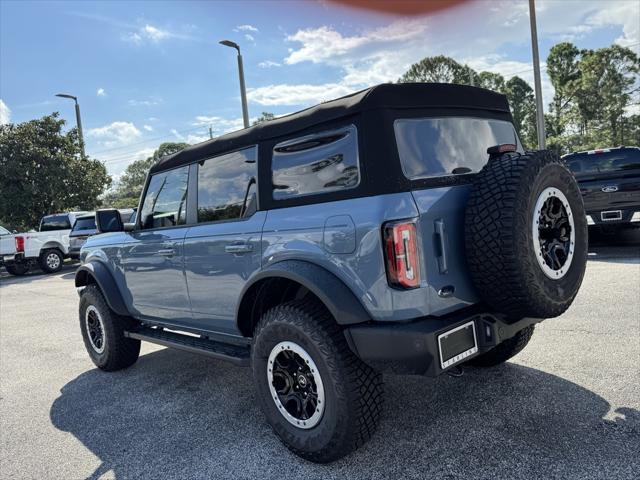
[526, 235]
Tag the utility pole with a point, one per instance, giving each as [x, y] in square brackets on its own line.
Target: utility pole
[243, 93]
[536, 76]
[78, 121]
[210, 132]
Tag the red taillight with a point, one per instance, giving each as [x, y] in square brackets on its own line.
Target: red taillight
[401, 252]
[19, 244]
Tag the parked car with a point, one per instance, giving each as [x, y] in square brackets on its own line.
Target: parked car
[85, 226]
[609, 180]
[401, 228]
[8, 246]
[46, 248]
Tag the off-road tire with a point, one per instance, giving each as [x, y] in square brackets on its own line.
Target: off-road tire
[504, 351]
[17, 269]
[45, 266]
[499, 238]
[353, 390]
[119, 351]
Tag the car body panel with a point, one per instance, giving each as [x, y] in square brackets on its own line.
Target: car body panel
[219, 258]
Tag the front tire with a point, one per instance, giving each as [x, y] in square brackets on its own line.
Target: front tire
[51, 260]
[103, 332]
[319, 398]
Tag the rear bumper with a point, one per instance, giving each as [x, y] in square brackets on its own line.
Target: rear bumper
[412, 348]
[614, 217]
[12, 258]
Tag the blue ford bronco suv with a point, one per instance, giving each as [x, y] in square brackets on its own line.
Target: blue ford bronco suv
[399, 229]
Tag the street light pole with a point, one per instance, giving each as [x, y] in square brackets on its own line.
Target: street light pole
[78, 121]
[243, 93]
[536, 76]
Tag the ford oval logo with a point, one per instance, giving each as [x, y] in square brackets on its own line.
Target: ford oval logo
[610, 189]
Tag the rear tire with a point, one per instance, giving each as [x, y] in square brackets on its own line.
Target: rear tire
[51, 260]
[17, 269]
[103, 332]
[351, 390]
[506, 350]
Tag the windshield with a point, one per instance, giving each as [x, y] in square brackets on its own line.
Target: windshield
[55, 222]
[4, 231]
[430, 147]
[603, 161]
[84, 224]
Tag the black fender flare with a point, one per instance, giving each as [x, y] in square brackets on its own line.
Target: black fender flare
[332, 291]
[105, 281]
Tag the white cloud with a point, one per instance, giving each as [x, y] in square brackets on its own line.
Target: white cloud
[285, 94]
[245, 28]
[220, 125]
[384, 53]
[5, 113]
[249, 37]
[115, 134]
[148, 128]
[101, 92]
[269, 64]
[194, 138]
[152, 34]
[145, 103]
[177, 134]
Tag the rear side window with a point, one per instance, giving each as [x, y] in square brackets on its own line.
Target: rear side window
[165, 203]
[55, 222]
[318, 163]
[227, 187]
[84, 224]
[432, 147]
[602, 161]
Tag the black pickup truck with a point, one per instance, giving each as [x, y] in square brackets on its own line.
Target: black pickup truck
[609, 180]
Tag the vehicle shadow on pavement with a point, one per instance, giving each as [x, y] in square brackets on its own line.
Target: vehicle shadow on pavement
[68, 272]
[178, 415]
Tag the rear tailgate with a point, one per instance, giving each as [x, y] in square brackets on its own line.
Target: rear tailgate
[436, 151]
[441, 226]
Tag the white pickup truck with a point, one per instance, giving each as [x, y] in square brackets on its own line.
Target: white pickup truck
[47, 248]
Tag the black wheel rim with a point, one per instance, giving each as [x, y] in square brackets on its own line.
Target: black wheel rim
[553, 233]
[295, 384]
[95, 329]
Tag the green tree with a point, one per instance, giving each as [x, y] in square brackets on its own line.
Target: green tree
[564, 73]
[523, 109]
[264, 117]
[127, 192]
[491, 81]
[43, 172]
[439, 69]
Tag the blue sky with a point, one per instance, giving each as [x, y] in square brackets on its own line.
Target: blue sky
[147, 72]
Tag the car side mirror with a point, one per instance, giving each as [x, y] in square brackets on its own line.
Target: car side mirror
[108, 220]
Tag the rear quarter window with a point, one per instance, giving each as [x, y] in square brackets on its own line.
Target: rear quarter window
[84, 224]
[432, 147]
[318, 163]
[55, 222]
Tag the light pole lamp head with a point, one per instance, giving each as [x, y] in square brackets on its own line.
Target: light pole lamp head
[229, 43]
[64, 95]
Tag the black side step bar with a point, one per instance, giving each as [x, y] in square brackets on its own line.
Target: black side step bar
[238, 355]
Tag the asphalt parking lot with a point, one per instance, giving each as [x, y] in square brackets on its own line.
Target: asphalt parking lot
[566, 407]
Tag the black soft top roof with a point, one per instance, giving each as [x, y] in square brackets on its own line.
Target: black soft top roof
[388, 95]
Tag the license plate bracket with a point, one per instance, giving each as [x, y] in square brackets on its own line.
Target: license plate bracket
[457, 344]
